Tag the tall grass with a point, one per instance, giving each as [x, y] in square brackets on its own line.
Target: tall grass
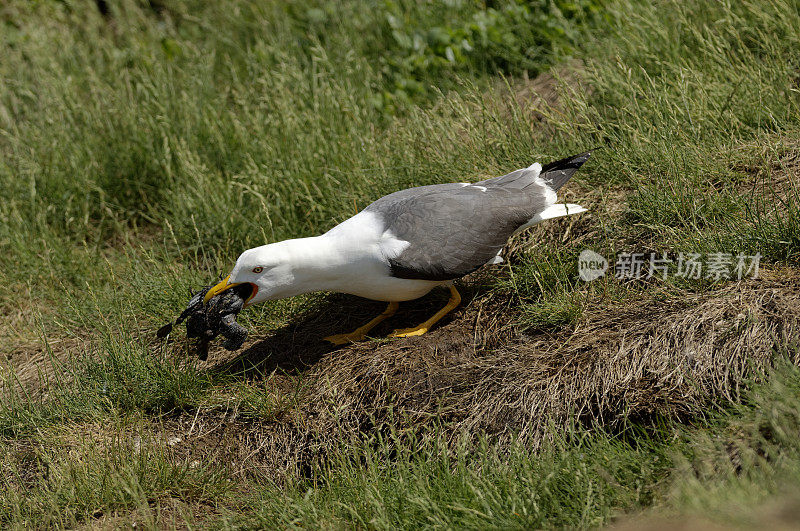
[682, 89]
[228, 127]
[141, 151]
[77, 478]
[580, 481]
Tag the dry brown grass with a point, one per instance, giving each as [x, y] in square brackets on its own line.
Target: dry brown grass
[772, 169]
[639, 360]
[34, 365]
[779, 513]
[536, 99]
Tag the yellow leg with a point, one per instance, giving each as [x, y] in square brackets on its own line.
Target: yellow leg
[361, 332]
[455, 300]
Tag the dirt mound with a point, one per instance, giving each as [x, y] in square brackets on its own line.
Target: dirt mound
[644, 360]
[664, 358]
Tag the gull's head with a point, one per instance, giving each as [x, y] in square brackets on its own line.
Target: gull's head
[259, 270]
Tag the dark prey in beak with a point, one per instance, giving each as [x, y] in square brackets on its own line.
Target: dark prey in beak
[217, 316]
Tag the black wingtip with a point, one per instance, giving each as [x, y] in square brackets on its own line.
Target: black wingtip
[557, 173]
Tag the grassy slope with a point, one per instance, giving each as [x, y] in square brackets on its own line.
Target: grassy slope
[140, 155]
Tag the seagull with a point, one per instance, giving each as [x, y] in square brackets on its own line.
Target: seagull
[406, 243]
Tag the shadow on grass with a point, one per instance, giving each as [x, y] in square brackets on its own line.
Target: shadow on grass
[299, 345]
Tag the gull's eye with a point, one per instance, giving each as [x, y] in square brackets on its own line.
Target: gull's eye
[258, 269]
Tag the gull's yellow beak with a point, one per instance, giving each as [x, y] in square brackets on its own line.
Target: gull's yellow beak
[219, 288]
[225, 285]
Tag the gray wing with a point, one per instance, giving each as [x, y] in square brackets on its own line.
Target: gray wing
[453, 229]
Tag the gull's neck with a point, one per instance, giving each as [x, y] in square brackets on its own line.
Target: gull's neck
[319, 263]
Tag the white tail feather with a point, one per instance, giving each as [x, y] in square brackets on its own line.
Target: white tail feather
[497, 259]
[553, 211]
[558, 210]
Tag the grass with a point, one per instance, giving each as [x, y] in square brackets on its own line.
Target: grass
[141, 150]
[87, 476]
[574, 483]
[121, 377]
[722, 471]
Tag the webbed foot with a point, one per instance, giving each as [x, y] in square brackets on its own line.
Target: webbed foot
[361, 332]
[409, 332]
[455, 300]
[343, 339]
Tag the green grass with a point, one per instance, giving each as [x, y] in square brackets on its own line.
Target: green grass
[140, 153]
[723, 470]
[578, 482]
[102, 474]
[122, 377]
[582, 479]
